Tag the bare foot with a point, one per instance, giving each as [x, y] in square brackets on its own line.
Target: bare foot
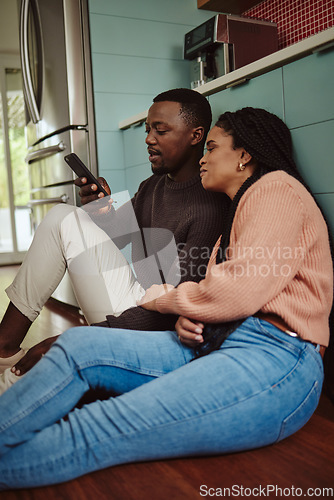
[13, 329]
[8, 352]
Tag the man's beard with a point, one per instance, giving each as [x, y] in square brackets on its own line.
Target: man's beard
[162, 170]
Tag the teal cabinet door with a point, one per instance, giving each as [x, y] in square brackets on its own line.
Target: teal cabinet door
[264, 91]
[326, 202]
[136, 175]
[309, 89]
[312, 150]
[137, 166]
[135, 148]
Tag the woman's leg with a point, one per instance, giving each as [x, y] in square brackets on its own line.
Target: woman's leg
[261, 386]
[85, 358]
[101, 277]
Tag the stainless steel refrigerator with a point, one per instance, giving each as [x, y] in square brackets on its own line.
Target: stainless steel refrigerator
[58, 90]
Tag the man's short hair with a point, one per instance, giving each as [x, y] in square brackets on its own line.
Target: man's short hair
[195, 108]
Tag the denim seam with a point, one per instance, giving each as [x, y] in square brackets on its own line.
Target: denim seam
[291, 415]
[315, 354]
[285, 341]
[37, 405]
[117, 364]
[292, 347]
[121, 364]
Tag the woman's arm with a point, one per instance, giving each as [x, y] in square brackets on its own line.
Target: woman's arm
[266, 250]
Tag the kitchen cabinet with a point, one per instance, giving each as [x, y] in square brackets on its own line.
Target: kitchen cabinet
[135, 154]
[227, 6]
[264, 91]
[308, 89]
[312, 145]
[295, 84]
[326, 202]
[301, 93]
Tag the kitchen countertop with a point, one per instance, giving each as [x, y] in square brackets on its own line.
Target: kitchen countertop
[315, 43]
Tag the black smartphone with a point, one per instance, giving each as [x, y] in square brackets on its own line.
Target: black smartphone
[81, 170]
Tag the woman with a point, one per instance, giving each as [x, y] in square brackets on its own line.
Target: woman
[243, 368]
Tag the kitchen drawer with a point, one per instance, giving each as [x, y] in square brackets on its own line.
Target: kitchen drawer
[326, 202]
[135, 175]
[308, 89]
[313, 155]
[264, 91]
[135, 148]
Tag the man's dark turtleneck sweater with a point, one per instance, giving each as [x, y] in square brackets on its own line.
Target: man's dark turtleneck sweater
[193, 215]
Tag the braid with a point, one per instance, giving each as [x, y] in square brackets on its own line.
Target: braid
[264, 136]
[268, 140]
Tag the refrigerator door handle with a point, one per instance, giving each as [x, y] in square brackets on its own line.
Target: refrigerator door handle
[45, 152]
[61, 199]
[24, 51]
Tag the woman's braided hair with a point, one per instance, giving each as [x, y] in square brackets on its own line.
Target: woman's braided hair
[268, 140]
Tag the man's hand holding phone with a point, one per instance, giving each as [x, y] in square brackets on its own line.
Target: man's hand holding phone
[96, 203]
[90, 192]
[83, 173]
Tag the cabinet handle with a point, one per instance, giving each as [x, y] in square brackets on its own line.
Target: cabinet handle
[326, 46]
[237, 82]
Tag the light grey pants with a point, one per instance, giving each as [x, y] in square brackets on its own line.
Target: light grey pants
[102, 279]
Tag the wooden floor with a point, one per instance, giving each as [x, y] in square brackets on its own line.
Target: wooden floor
[305, 460]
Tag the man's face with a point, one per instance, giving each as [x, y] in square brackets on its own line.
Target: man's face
[168, 138]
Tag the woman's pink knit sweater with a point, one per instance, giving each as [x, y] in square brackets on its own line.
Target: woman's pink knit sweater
[278, 262]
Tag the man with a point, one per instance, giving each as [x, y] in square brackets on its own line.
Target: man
[172, 199]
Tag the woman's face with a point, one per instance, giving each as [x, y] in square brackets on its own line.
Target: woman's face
[220, 170]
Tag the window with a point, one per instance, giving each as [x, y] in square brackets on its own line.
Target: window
[15, 227]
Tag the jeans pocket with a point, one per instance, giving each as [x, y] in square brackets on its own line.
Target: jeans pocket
[298, 418]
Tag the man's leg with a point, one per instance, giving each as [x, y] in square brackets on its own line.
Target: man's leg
[13, 329]
[102, 279]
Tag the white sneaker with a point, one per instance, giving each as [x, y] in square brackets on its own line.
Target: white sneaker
[7, 379]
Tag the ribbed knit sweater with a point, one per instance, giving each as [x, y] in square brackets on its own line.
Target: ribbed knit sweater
[279, 262]
[195, 218]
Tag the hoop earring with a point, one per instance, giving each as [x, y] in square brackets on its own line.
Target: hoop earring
[241, 167]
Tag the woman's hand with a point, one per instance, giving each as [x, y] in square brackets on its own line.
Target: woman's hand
[189, 331]
[153, 293]
[33, 356]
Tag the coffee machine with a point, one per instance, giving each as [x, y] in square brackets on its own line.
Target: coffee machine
[225, 43]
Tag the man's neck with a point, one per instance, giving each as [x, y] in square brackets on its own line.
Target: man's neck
[187, 172]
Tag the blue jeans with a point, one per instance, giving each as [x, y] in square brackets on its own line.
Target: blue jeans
[258, 388]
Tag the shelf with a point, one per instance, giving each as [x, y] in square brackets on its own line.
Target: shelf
[227, 6]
